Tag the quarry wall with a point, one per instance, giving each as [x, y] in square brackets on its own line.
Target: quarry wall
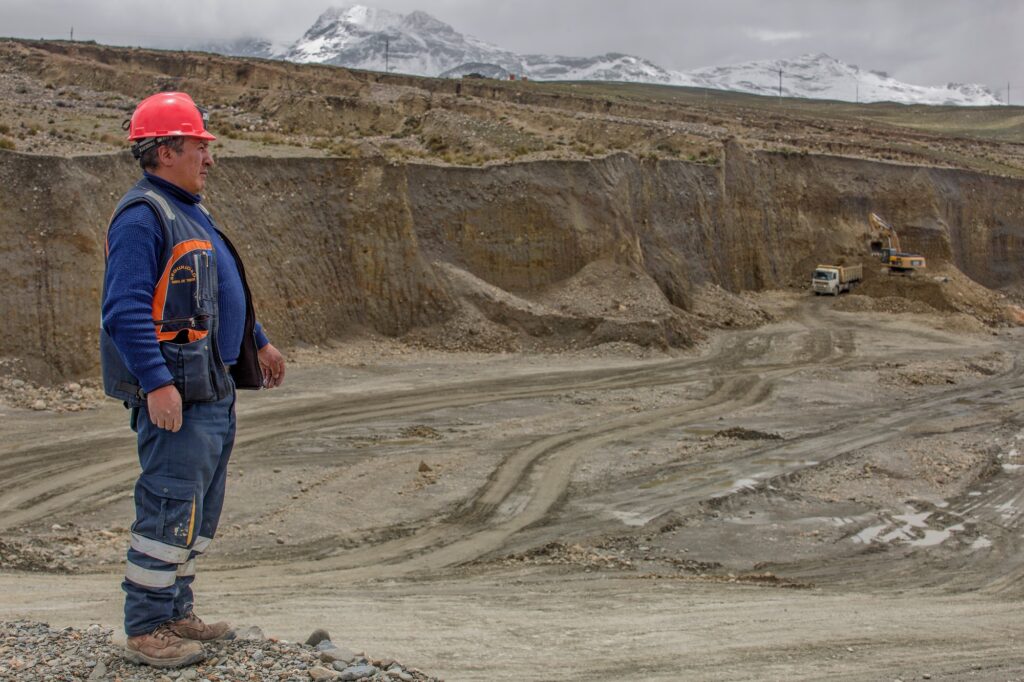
[335, 247]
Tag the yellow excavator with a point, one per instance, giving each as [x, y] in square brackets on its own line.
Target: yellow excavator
[898, 261]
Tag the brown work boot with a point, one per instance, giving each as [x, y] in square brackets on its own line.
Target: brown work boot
[163, 648]
[193, 627]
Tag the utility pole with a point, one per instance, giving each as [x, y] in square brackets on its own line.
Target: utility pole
[72, 34]
[1007, 93]
[858, 91]
[780, 86]
[387, 47]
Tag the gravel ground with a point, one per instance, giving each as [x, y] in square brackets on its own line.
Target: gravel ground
[34, 651]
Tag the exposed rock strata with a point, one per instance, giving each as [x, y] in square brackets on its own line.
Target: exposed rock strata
[334, 247]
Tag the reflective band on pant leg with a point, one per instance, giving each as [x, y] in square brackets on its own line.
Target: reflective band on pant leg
[201, 543]
[186, 569]
[149, 578]
[159, 550]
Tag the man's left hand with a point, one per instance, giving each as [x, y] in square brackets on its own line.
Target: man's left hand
[272, 364]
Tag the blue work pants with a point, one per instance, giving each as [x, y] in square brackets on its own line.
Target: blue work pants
[178, 501]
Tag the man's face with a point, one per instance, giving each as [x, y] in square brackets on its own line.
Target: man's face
[187, 169]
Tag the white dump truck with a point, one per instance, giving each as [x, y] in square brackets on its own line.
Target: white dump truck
[835, 279]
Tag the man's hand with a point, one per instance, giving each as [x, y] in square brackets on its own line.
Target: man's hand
[164, 406]
[272, 364]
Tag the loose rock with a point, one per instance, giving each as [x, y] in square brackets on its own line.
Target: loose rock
[317, 636]
[320, 674]
[98, 672]
[331, 653]
[358, 672]
[34, 651]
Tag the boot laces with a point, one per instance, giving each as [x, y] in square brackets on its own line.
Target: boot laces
[164, 631]
[191, 618]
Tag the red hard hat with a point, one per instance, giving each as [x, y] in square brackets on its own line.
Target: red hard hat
[168, 114]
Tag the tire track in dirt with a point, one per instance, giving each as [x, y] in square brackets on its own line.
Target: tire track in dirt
[532, 481]
[52, 478]
[994, 508]
[521, 492]
[525, 487]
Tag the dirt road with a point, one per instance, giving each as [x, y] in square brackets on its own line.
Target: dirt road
[833, 495]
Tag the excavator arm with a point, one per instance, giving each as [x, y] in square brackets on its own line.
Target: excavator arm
[893, 256]
[886, 229]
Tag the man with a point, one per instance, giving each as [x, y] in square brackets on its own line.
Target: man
[178, 335]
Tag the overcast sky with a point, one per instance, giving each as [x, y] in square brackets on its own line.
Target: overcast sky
[925, 42]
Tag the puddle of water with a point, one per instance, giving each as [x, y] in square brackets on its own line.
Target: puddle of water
[912, 529]
[837, 521]
[914, 520]
[631, 518]
[1007, 510]
[936, 537]
[786, 464]
[1010, 468]
[931, 538]
[868, 535]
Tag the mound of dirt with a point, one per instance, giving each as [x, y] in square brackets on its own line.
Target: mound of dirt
[605, 302]
[715, 307]
[942, 288]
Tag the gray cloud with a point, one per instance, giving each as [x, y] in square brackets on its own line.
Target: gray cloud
[928, 42]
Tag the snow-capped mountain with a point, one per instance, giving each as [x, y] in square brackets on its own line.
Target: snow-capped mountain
[244, 47]
[416, 43]
[819, 76]
[606, 67]
[362, 37]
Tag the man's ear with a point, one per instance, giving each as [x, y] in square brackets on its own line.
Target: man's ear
[165, 154]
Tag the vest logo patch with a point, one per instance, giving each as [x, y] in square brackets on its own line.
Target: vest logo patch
[183, 274]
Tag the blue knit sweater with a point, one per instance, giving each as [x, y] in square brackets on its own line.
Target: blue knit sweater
[136, 243]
